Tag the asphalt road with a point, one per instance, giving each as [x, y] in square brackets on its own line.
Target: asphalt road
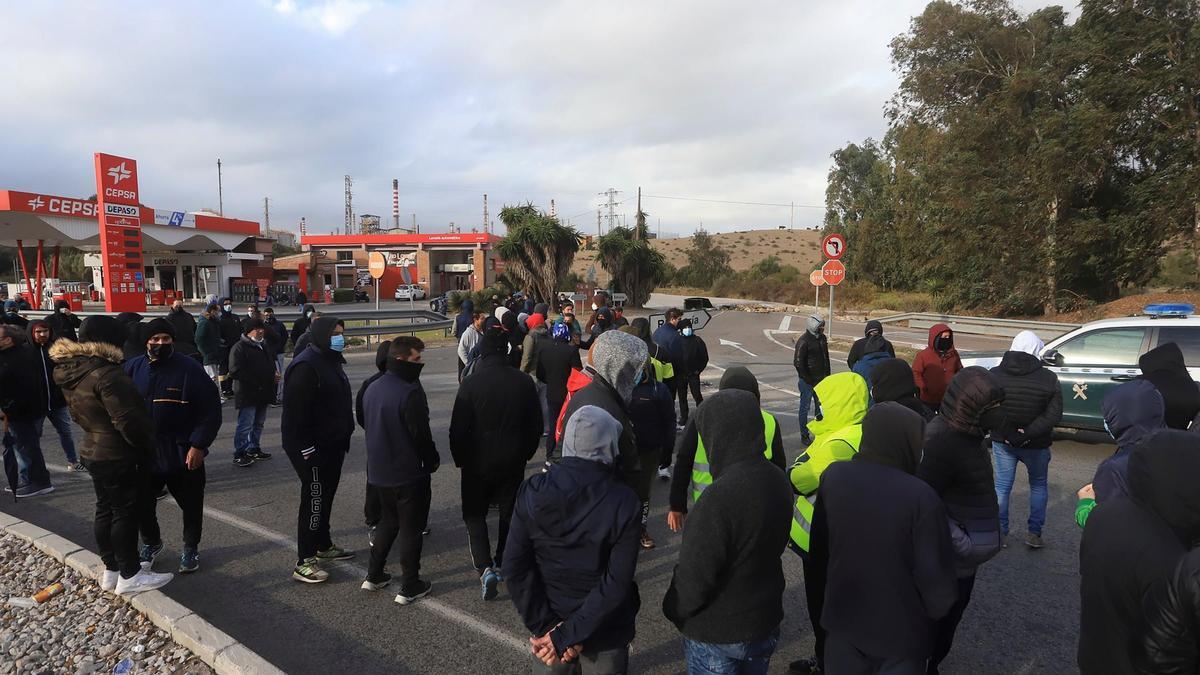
[1023, 617]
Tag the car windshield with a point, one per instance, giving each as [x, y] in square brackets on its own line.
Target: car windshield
[1104, 347]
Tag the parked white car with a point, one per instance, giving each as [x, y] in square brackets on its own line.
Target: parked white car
[410, 291]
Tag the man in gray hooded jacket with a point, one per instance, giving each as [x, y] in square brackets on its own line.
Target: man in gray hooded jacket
[616, 363]
[811, 361]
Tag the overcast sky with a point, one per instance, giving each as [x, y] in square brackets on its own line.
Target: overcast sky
[524, 100]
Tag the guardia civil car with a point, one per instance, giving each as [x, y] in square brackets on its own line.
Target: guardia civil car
[1095, 358]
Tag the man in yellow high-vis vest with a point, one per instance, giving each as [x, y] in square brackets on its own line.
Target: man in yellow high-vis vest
[692, 473]
[844, 399]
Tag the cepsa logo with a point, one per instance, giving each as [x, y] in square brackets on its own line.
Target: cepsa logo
[61, 206]
[118, 177]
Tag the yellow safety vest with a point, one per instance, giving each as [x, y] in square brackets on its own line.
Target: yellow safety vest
[834, 447]
[702, 473]
[663, 371]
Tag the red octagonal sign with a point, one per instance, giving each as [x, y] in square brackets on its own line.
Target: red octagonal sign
[834, 272]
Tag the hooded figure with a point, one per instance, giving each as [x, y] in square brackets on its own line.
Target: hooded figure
[464, 318]
[1164, 367]
[573, 546]
[892, 380]
[133, 346]
[1133, 544]
[872, 341]
[64, 324]
[11, 315]
[317, 423]
[300, 326]
[959, 469]
[616, 361]
[936, 365]
[728, 584]
[381, 363]
[874, 351]
[886, 560]
[1028, 342]
[811, 361]
[1131, 412]
[516, 337]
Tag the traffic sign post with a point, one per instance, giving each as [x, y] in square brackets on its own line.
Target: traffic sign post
[817, 280]
[833, 272]
[833, 246]
[376, 266]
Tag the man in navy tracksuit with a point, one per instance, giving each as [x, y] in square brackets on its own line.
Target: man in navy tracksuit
[186, 407]
[401, 455]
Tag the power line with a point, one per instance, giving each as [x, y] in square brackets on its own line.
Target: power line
[728, 201]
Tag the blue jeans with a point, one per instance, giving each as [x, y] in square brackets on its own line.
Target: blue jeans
[249, 429]
[31, 465]
[1037, 463]
[739, 658]
[808, 399]
[60, 419]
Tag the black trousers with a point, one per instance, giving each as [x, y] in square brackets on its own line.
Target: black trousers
[843, 657]
[684, 383]
[478, 494]
[814, 593]
[223, 371]
[947, 625]
[118, 487]
[187, 487]
[319, 477]
[403, 511]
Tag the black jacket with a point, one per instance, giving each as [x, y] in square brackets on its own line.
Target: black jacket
[252, 369]
[1032, 401]
[892, 380]
[694, 352]
[555, 360]
[728, 585]
[184, 403]
[496, 424]
[67, 325]
[1165, 368]
[300, 326]
[400, 447]
[381, 362]
[183, 323]
[1132, 411]
[103, 401]
[600, 394]
[1165, 641]
[881, 534]
[811, 358]
[231, 329]
[48, 390]
[571, 553]
[277, 335]
[652, 413]
[859, 348]
[959, 468]
[22, 392]
[318, 405]
[1132, 544]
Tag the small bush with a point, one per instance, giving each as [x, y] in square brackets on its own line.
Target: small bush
[1177, 270]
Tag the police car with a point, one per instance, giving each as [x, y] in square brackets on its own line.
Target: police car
[1093, 359]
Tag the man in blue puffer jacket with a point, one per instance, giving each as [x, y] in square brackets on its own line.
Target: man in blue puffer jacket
[186, 407]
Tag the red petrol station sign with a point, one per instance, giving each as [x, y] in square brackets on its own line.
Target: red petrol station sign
[120, 218]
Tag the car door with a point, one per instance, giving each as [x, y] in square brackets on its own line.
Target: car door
[1091, 364]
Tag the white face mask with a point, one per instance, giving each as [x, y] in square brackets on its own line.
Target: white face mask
[249, 312]
[594, 308]
[256, 339]
[228, 308]
[309, 314]
[63, 310]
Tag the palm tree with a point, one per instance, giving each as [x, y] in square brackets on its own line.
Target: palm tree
[538, 249]
[635, 265]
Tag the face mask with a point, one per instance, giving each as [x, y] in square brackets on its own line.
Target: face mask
[943, 344]
[308, 314]
[337, 343]
[63, 310]
[594, 307]
[1109, 431]
[249, 312]
[159, 352]
[256, 340]
[687, 332]
[228, 308]
[641, 375]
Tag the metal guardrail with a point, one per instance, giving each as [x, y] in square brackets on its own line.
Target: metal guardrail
[974, 325]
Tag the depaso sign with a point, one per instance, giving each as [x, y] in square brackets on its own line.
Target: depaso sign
[121, 233]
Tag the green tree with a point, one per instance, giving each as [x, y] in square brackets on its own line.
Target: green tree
[707, 262]
[538, 249]
[636, 266]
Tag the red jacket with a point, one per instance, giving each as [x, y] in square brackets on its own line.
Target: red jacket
[578, 380]
[933, 371]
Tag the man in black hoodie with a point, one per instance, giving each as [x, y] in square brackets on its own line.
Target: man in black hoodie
[401, 456]
[231, 332]
[300, 326]
[811, 361]
[1032, 407]
[63, 322]
[494, 431]
[1131, 546]
[573, 548]
[556, 358]
[886, 559]
[23, 405]
[892, 380]
[726, 595]
[1165, 368]
[371, 503]
[317, 423]
[874, 329]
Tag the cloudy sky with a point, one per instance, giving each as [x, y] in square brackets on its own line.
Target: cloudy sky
[524, 100]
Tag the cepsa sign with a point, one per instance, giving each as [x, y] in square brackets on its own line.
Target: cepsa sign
[121, 234]
[57, 206]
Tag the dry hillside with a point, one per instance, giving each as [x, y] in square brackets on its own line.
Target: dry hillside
[797, 248]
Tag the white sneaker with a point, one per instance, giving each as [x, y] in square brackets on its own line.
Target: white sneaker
[664, 473]
[108, 580]
[145, 580]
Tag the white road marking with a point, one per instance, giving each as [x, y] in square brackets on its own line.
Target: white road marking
[737, 345]
[785, 323]
[761, 384]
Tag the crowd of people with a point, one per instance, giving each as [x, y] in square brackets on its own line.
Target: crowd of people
[887, 578]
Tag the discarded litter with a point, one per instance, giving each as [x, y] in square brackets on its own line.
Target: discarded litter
[56, 588]
[124, 667]
[24, 603]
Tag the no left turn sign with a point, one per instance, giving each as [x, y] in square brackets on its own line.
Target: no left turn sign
[833, 246]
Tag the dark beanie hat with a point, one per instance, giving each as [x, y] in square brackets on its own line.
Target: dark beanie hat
[61, 304]
[103, 328]
[155, 327]
[251, 325]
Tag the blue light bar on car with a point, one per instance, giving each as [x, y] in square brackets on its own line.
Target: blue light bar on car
[1169, 309]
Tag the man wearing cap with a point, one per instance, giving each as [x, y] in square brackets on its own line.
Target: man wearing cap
[186, 407]
[252, 369]
[537, 336]
[12, 316]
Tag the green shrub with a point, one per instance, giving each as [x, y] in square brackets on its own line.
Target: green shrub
[1177, 270]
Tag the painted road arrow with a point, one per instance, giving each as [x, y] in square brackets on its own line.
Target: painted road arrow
[737, 345]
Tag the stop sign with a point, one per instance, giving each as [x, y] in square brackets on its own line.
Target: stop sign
[816, 278]
[833, 272]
